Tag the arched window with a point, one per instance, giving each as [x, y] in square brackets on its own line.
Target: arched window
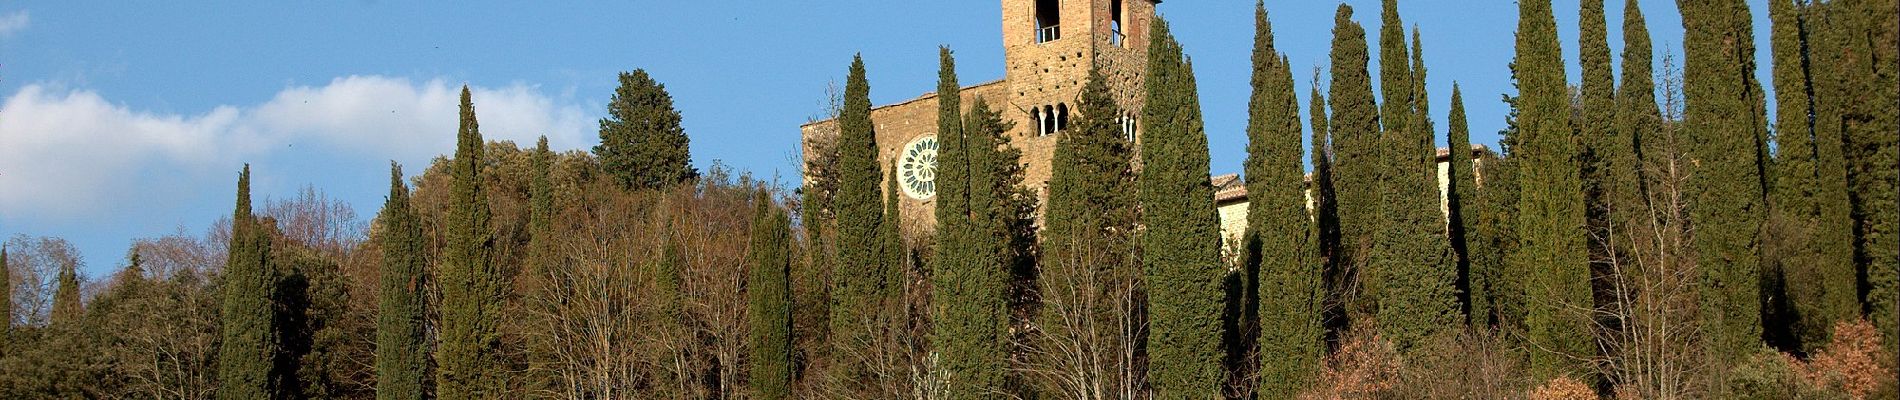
[1048, 20]
[1048, 120]
[1062, 117]
[1035, 114]
[1128, 126]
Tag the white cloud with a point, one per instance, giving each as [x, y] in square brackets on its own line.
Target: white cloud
[14, 22]
[72, 152]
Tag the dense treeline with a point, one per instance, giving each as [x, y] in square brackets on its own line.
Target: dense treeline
[1646, 233]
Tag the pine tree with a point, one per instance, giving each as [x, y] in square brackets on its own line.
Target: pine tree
[642, 144]
[468, 362]
[1461, 210]
[1181, 247]
[769, 294]
[1357, 157]
[402, 364]
[245, 353]
[1088, 270]
[1726, 196]
[859, 212]
[1551, 210]
[1281, 240]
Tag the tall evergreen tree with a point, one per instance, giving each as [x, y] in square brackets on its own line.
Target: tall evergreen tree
[402, 364]
[541, 207]
[1821, 288]
[1325, 207]
[1281, 239]
[1089, 272]
[859, 212]
[1596, 141]
[1855, 90]
[1395, 84]
[1412, 273]
[6, 302]
[1634, 118]
[1637, 116]
[67, 309]
[245, 353]
[1551, 210]
[1726, 199]
[769, 294]
[1357, 157]
[1181, 246]
[968, 277]
[1460, 208]
[468, 359]
[642, 144]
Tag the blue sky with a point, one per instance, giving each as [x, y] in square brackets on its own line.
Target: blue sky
[131, 120]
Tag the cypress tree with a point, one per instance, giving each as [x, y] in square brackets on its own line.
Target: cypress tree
[1325, 206]
[858, 211]
[1821, 288]
[1395, 85]
[6, 302]
[468, 363]
[1087, 246]
[642, 144]
[890, 238]
[67, 309]
[1181, 247]
[248, 346]
[1414, 277]
[1460, 210]
[1281, 240]
[1596, 141]
[769, 295]
[1497, 284]
[1855, 91]
[1726, 196]
[1356, 149]
[967, 277]
[402, 364]
[1636, 118]
[541, 207]
[1551, 210]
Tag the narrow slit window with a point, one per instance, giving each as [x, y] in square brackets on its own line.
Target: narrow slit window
[1048, 20]
[1115, 35]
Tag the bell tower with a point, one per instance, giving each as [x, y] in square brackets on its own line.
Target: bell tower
[1049, 47]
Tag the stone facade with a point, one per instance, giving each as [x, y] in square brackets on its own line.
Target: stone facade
[1046, 65]
[1045, 71]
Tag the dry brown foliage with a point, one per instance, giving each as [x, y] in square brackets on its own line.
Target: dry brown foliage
[1563, 388]
[1365, 367]
[1849, 363]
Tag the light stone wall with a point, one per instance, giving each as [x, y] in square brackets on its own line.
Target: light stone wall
[1036, 75]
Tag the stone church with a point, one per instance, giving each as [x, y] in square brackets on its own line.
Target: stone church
[1048, 46]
